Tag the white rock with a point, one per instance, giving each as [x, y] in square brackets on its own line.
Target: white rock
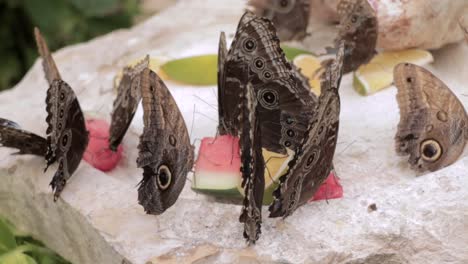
[98, 220]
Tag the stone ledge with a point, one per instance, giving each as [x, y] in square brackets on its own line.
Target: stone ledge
[98, 220]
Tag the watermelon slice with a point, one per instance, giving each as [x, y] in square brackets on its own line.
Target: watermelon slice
[217, 171]
[97, 153]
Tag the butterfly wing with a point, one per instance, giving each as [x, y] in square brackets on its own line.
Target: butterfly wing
[222, 53]
[290, 17]
[358, 28]
[165, 153]
[126, 102]
[11, 136]
[285, 103]
[48, 63]
[252, 167]
[67, 137]
[312, 162]
[433, 126]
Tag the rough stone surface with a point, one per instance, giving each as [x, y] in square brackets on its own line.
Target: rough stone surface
[418, 219]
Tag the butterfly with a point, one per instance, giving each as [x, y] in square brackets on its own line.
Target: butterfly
[126, 102]
[433, 127]
[290, 17]
[67, 137]
[285, 102]
[312, 162]
[165, 152]
[358, 29]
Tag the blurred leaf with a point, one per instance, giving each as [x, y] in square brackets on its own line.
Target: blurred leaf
[198, 70]
[292, 52]
[7, 238]
[16, 257]
[96, 8]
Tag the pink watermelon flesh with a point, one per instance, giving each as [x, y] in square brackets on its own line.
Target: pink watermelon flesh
[217, 166]
[217, 170]
[97, 153]
[330, 189]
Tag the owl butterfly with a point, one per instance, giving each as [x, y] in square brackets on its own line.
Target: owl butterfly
[166, 154]
[252, 166]
[67, 137]
[358, 29]
[285, 102]
[312, 162]
[433, 127]
[126, 102]
[290, 17]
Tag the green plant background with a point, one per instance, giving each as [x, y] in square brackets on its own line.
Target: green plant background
[20, 248]
[62, 22]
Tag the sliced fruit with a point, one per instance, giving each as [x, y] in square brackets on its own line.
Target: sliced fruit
[97, 153]
[217, 169]
[154, 64]
[330, 189]
[197, 70]
[311, 68]
[291, 52]
[378, 73]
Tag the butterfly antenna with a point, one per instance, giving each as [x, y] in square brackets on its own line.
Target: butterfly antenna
[210, 118]
[204, 101]
[193, 119]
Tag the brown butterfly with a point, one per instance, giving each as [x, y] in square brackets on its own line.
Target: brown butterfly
[285, 102]
[290, 17]
[252, 166]
[433, 127]
[67, 137]
[12, 136]
[166, 154]
[358, 28]
[312, 162]
[126, 102]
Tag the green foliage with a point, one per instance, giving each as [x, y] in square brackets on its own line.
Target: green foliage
[62, 22]
[18, 248]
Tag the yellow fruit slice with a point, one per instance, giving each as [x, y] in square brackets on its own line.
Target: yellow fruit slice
[197, 70]
[276, 166]
[154, 64]
[378, 73]
[310, 66]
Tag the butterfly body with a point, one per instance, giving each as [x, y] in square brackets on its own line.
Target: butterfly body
[433, 127]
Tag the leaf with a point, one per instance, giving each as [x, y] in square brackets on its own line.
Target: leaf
[96, 8]
[7, 238]
[292, 52]
[16, 257]
[197, 70]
